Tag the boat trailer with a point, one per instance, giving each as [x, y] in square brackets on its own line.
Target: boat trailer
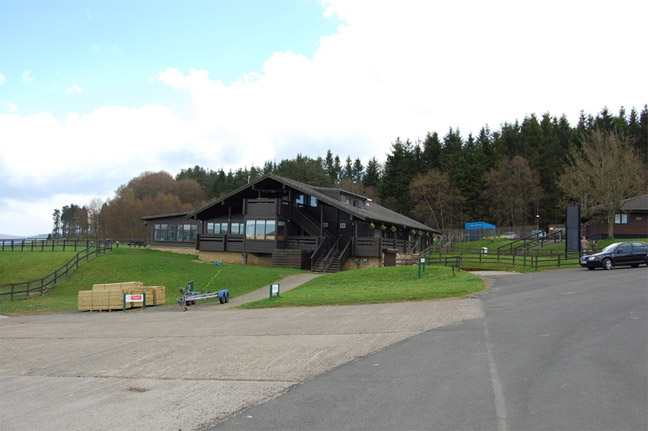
[188, 296]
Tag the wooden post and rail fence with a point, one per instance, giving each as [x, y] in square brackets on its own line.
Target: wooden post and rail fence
[43, 285]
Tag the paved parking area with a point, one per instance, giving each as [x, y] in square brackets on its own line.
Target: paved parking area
[166, 369]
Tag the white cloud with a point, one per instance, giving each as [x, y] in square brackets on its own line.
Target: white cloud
[11, 107]
[3, 79]
[34, 217]
[392, 70]
[26, 77]
[75, 89]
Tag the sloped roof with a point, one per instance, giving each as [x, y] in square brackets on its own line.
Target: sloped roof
[639, 203]
[159, 216]
[370, 212]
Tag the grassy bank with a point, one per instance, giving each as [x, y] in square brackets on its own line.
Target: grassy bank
[21, 266]
[377, 285]
[153, 268]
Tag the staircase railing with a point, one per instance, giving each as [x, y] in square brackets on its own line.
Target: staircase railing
[319, 251]
[523, 245]
[307, 223]
[329, 256]
[346, 252]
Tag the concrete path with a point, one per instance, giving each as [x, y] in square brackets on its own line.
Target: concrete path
[175, 370]
[287, 283]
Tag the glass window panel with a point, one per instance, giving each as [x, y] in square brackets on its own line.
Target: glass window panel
[300, 200]
[170, 236]
[249, 229]
[260, 229]
[270, 229]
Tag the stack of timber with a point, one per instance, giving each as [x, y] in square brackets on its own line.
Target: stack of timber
[124, 287]
[110, 296]
[101, 300]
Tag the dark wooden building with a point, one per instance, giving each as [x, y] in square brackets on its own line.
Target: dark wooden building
[630, 222]
[294, 224]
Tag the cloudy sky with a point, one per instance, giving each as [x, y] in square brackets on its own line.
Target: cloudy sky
[95, 92]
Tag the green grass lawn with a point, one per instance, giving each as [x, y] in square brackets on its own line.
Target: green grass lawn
[377, 285]
[153, 268]
[21, 266]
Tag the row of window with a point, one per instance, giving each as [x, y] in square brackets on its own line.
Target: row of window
[175, 233]
[221, 228]
[265, 229]
[253, 229]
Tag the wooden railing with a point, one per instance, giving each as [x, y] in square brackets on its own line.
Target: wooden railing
[319, 251]
[538, 261]
[45, 284]
[522, 245]
[326, 261]
[346, 252]
[373, 247]
[45, 245]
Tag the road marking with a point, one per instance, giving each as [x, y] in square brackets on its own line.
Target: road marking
[496, 385]
[568, 293]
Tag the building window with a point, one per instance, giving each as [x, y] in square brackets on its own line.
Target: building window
[171, 232]
[187, 232]
[621, 219]
[249, 229]
[299, 200]
[236, 229]
[313, 202]
[270, 229]
[217, 228]
[260, 229]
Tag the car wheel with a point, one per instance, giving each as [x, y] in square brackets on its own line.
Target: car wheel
[607, 264]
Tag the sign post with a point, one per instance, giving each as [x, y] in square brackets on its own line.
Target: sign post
[274, 290]
[138, 297]
[421, 266]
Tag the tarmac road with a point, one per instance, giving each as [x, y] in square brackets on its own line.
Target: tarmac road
[561, 350]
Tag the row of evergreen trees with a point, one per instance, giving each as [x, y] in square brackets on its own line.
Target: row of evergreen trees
[477, 173]
[509, 177]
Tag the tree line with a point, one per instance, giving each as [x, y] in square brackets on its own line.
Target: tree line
[523, 172]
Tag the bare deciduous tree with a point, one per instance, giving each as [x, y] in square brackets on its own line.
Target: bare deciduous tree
[602, 172]
[436, 203]
[512, 191]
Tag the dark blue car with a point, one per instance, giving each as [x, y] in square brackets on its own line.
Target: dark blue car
[632, 253]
